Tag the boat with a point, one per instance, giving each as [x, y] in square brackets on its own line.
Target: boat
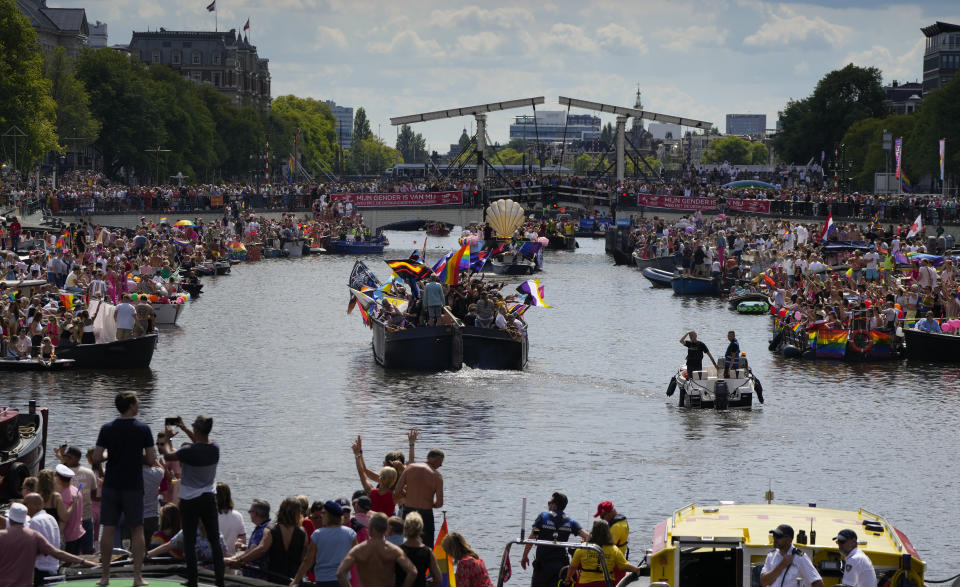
[658, 277]
[160, 572]
[194, 289]
[666, 262]
[731, 541]
[438, 228]
[213, 268]
[858, 345]
[562, 242]
[23, 438]
[132, 353]
[694, 286]
[492, 348]
[706, 389]
[737, 298]
[753, 307]
[363, 247]
[294, 248]
[423, 348]
[621, 257]
[931, 346]
[520, 266]
[34, 365]
[167, 313]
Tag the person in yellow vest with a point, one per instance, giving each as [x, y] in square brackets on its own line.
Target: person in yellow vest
[619, 529]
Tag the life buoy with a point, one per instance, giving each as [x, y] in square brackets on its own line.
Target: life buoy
[860, 347]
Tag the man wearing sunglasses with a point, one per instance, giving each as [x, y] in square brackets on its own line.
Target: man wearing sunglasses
[857, 568]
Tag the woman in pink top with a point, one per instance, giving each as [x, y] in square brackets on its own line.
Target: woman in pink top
[72, 498]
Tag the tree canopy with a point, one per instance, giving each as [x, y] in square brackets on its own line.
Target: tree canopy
[818, 122]
[736, 151]
[412, 146]
[25, 101]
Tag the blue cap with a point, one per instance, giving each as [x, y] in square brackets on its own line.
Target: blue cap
[333, 507]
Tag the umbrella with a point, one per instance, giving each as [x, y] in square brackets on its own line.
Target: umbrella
[184, 223]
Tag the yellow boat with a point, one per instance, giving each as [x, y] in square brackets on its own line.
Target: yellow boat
[726, 545]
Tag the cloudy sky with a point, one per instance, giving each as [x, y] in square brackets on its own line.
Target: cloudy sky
[698, 59]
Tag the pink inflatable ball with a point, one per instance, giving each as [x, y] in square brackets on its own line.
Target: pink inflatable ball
[472, 240]
[543, 240]
[689, 230]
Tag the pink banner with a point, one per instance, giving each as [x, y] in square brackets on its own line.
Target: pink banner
[375, 200]
[695, 203]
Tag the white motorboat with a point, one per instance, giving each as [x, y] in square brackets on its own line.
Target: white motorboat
[167, 313]
[705, 389]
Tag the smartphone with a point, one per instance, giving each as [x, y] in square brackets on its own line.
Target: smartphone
[171, 421]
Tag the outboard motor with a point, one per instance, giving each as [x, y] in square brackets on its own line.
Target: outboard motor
[721, 395]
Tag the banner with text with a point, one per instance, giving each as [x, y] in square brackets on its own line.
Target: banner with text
[694, 203]
[374, 200]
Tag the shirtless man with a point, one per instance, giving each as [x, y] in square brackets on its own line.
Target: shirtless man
[376, 558]
[420, 488]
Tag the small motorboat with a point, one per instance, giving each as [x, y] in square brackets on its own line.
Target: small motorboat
[167, 313]
[694, 286]
[35, 365]
[753, 307]
[132, 353]
[213, 268]
[194, 289]
[562, 242]
[737, 298]
[621, 257]
[732, 541]
[373, 246]
[658, 277]
[666, 263]
[438, 228]
[520, 266]
[294, 248]
[932, 346]
[709, 390]
[23, 438]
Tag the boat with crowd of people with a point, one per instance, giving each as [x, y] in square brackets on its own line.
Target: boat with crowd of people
[689, 285]
[492, 348]
[132, 353]
[424, 348]
[941, 347]
[373, 246]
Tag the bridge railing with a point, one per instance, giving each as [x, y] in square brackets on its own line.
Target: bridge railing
[551, 194]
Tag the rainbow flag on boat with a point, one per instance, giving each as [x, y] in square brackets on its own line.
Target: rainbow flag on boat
[831, 344]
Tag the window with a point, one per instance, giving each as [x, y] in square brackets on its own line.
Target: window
[195, 59]
[216, 79]
[175, 57]
[155, 58]
[216, 58]
[196, 76]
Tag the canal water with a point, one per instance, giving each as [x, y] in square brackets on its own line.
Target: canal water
[290, 380]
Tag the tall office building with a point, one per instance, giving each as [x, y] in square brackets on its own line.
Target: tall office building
[549, 126]
[941, 58]
[344, 116]
[753, 125]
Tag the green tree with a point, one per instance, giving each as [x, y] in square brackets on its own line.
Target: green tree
[508, 156]
[939, 118]
[123, 98]
[608, 134]
[75, 124]
[864, 143]
[583, 163]
[373, 156]
[735, 150]
[818, 122]
[361, 126]
[25, 100]
[317, 146]
[759, 154]
[412, 146]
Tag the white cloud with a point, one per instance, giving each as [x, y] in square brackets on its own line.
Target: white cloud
[407, 41]
[902, 66]
[617, 38]
[788, 27]
[480, 43]
[328, 37]
[693, 37]
[504, 17]
[569, 35]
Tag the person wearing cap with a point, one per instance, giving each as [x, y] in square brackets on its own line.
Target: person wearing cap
[857, 569]
[85, 480]
[73, 530]
[20, 546]
[619, 530]
[328, 547]
[556, 526]
[785, 564]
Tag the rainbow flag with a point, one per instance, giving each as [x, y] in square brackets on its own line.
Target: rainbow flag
[181, 242]
[237, 246]
[290, 175]
[534, 292]
[831, 344]
[882, 345]
[163, 220]
[447, 578]
[66, 300]
[451, 271]
[366, 316]
[905, 182]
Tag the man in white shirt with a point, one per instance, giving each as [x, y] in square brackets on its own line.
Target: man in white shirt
[785, 564]
[126, 316]
[872, 270]
[45, 565]
[857, 568]
[70, 456]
